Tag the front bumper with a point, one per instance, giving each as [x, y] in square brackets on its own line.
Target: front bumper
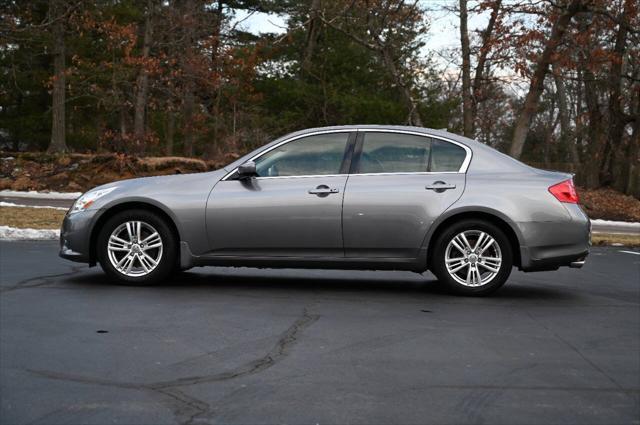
[75, 236]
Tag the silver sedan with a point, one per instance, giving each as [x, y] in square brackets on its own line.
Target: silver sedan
[350, 197]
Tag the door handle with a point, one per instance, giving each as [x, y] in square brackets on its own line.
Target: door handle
[323, 190]
[440, 186]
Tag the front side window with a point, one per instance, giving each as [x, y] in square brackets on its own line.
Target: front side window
[321, 154]
[394, 153]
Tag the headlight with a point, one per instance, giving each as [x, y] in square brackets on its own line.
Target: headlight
[86, 200]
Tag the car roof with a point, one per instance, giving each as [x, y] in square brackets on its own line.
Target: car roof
[355, 127]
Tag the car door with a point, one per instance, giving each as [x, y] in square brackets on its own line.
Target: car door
[292, 208]
[399, 184]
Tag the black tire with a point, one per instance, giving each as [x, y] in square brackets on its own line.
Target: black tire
[438, 266]
[168, 259]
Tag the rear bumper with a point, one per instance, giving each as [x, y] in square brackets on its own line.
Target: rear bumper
[551, 245]
[553, 262]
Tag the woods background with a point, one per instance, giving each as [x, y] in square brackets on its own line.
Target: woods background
[555, 83]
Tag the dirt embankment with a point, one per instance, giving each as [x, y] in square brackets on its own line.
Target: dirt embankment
[608, 204]
[79, 172]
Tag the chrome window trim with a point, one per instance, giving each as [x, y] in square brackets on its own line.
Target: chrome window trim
[407, 173]
[462, 170]
[306, 176]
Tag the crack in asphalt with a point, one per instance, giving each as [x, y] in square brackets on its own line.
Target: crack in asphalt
[188, 408]
[41, 280]
[278, 351]
[185, 403]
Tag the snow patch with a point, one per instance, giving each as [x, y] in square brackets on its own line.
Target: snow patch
[12, 205]
[16, 234]
[621, 224]
[40, 195]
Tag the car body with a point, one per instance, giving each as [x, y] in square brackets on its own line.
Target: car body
[348, 197]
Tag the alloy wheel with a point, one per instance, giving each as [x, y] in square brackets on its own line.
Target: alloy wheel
[473, 258]
[135, 248]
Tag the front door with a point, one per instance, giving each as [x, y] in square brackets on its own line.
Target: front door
[400, 183]
[293, 208]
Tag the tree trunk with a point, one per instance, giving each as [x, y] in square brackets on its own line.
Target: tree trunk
[566, 138]
[188, 102]
[617, 121]
[633, 175]
[482, 60]
[58, 140]
[170, 134]
[537, 80]
[313, 34]
[187, 117]
[467, 101]
[579, 110]
[597, 132]
[217, 29]
[142, 82]
[123, 124]
[548, 137]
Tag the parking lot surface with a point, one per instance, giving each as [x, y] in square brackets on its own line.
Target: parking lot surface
[223, 345]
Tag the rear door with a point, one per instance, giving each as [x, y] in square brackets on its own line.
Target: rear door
[399, 184]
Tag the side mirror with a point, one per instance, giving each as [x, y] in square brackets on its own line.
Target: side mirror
[247, 170]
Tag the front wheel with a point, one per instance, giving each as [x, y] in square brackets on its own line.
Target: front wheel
[473, 257]
[137, 247]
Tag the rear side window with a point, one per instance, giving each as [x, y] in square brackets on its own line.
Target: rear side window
[446, 156]
[394, 153]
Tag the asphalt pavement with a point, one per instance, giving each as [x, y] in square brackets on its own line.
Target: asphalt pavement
[224, 345]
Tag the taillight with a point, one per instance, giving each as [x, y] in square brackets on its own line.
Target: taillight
[565, 192]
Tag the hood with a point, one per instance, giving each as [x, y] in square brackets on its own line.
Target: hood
[157, 186]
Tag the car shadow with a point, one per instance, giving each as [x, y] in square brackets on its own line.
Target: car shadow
[301, 281]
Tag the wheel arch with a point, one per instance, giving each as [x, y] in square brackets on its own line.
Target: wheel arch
[492, 216]
[128, 205]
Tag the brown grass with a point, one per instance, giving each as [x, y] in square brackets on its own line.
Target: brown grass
[600, 239]
[34, 218]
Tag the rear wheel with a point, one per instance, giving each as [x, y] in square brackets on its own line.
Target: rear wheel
[137, 247]
[473, 257]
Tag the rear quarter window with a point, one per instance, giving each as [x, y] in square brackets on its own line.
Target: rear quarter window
[446, 156]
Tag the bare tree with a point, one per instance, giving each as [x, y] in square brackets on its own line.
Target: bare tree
[386, 28]
[566, 134]
[541, 68]
[467, 101]
[481, 65]
[472, 89]
[618, 119]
